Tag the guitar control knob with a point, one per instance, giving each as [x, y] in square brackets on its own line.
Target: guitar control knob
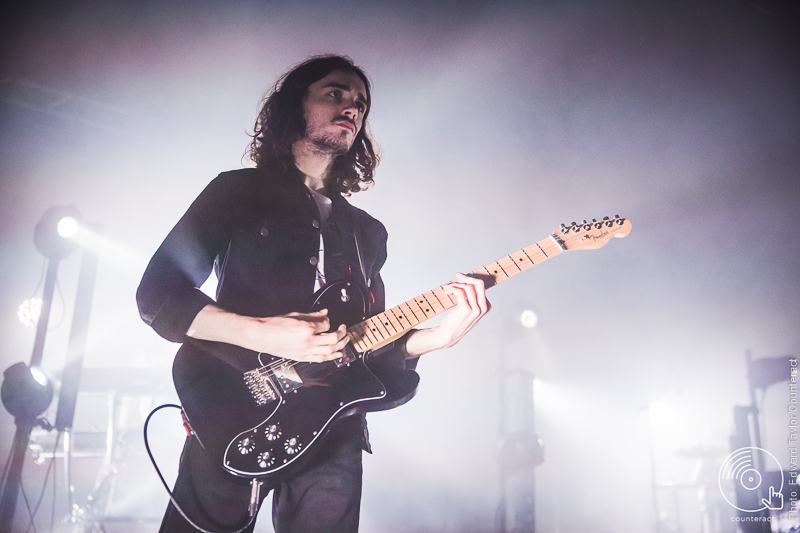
[246, 445]
[266, 459]
[273, 432]
[293, 445]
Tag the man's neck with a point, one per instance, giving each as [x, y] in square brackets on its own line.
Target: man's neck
[314, 165]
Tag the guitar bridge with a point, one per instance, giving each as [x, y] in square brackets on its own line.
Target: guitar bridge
[264, 382]
[260, 386]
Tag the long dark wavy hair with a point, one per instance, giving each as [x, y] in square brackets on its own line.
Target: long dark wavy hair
[281, 122]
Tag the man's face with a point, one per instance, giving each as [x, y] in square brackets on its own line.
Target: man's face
[334, 111]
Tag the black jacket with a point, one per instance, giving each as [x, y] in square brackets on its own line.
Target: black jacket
[260, 232]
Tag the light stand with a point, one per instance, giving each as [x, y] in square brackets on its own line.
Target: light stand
[70, 378]
[519, 449]
[20, 396]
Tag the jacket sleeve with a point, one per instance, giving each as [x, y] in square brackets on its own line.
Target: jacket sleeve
[168, 296]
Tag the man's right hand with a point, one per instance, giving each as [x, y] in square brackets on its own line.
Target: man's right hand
[297, 336]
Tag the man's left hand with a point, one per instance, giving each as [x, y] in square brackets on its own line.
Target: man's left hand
[472, 305]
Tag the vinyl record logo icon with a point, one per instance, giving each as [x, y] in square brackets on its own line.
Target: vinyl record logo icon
[740, 468]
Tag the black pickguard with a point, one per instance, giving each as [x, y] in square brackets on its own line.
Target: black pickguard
[272, 440]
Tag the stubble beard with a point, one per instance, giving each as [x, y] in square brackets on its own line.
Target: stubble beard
[328, 144]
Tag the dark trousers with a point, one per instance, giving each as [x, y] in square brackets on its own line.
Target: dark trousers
[324, 496]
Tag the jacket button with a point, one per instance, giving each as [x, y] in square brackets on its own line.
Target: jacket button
[264, 232]
[315, 223]
[313, 261]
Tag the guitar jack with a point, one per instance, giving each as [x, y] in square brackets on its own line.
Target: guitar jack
[255, 491]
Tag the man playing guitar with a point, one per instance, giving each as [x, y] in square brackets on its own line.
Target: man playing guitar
[276, 234]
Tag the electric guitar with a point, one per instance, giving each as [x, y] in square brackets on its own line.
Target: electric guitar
[266, 422]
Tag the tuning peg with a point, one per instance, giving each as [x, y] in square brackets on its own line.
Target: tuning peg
[620, 221]
[564, 229]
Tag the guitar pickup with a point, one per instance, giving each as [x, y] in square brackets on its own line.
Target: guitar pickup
[287, 377]
[348, 357]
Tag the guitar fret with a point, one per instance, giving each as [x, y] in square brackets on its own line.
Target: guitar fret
[373, 328]
[399, 319]
[418, 302]
[377, 319]
[540, 248]
[449, 303]
[433, 302]
[505, 266]
[535, 250]
[367, 333]
[356, 338]
[498, 275]
[551, 246]
[528, 257]
[520, 260]
[363, 338]
[387, 321]
[503, 269]
[410, 311]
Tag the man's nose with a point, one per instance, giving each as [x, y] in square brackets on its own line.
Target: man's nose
[351, 110]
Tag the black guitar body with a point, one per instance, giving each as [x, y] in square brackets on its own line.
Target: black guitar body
[263, 416]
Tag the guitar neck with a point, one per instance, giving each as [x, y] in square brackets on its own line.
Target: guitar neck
[393, 323]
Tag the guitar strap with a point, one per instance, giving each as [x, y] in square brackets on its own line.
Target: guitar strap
[360, 262]
[356, 232]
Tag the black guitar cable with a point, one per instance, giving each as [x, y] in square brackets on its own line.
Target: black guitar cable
[255, 484]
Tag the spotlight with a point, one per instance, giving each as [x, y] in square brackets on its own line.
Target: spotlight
[528, 319]
[52, 234]
[67, 227]
[29, 311]
[26, 392]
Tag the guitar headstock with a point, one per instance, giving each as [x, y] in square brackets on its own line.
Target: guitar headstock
[591, 235]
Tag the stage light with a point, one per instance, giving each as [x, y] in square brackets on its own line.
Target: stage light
[528, 319]
[51, 235]
[26, 392]
[67, 227]
[29, 311]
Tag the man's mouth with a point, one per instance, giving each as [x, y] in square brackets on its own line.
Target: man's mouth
[345, 123]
